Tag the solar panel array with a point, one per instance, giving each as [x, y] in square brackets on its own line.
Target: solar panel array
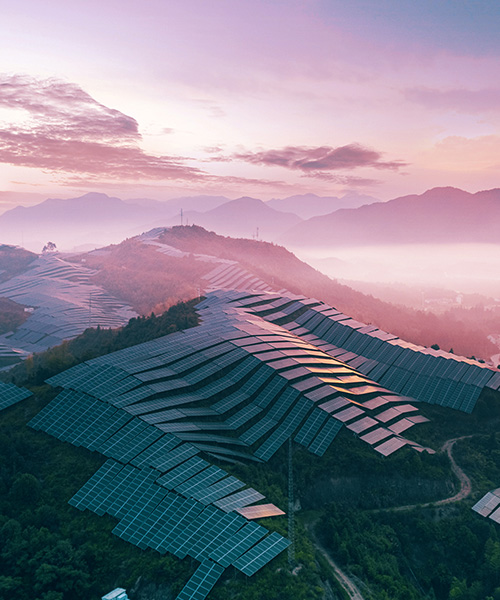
[420, 373]
[235, 388]
[489, 506]
[65, 303]
[10, 394]
[260, 369]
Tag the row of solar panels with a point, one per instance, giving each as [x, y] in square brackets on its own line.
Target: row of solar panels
[251, 377]
[66, 304]
[86, 421]
[236, 383]
[232, 276]
[424, 374]
[166, 497]
[10, 394]
[151, 516]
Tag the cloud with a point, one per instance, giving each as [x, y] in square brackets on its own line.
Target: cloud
[460, 100]
[65, 109]
[317, 160]
[68, 131]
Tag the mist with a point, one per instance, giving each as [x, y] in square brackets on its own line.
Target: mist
[462, 268]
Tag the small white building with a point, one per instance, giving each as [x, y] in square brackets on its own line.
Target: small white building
[118, 594]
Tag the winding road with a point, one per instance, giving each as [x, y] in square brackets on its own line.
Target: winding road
[465, 484]
[465, 489]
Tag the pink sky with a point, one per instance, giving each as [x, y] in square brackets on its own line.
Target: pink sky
[264, 98]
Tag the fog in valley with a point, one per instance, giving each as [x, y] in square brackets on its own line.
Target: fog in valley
[461, 268]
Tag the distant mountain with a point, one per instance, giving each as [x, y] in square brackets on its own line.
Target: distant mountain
[98, 219]
[93, 217]
[174, 206]
[311, 205]
[440, 215]
[10, 200]
[245, 217]
[198, 203]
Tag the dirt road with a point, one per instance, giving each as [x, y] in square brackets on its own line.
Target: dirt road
[345, 581]
[465, 489]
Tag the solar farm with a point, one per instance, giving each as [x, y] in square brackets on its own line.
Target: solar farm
[63, 303]
[262, 368]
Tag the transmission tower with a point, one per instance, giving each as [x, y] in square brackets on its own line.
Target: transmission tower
[291, 518]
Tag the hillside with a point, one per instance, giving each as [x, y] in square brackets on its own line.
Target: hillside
[440, 215]
[13, 260]
[282, 269]
[42, 534]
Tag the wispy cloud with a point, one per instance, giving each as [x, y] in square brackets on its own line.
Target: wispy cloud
[317, 160]
[69, 131]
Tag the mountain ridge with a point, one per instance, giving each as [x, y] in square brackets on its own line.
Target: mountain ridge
[439, 215]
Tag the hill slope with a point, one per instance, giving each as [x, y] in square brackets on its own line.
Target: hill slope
[278, 268]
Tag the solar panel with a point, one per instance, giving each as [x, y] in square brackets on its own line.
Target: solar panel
[240, 542]
[362, 424]
[263, 552]
[174, 457]
[376, 435]
[325, 437]
[201, 480]
[348, 413]
[495, 515]
[390, 446]
[179, 474]
[218, 490]
[309, 429]
[216, 531]
[260, 511]
[238, 500]
[10, 394]
[487, 504]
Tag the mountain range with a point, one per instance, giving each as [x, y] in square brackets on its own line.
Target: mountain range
[440, 215]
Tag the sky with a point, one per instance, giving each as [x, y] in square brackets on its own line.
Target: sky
[163, 98]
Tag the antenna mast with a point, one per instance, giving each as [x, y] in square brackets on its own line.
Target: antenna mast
[291, 518]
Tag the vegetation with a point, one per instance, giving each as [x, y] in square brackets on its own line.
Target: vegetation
[145, 278]
[51, 551]
[11, 315]
[96, 342]
[13, 260]
[281, 269]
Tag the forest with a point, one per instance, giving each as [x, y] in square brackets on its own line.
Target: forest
[11, 315]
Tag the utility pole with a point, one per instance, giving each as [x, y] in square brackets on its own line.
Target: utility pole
[182, 218]
[291, 517]
[90, 309]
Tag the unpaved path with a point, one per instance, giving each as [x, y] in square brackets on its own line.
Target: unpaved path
[465, 489]
[345, 581]
[465, 484]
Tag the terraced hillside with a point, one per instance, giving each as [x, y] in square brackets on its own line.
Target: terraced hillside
[62, 301]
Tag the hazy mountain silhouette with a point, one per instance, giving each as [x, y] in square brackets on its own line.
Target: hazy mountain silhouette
[244, 217]
[440, 215]
[93, 217]
[311, 205]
